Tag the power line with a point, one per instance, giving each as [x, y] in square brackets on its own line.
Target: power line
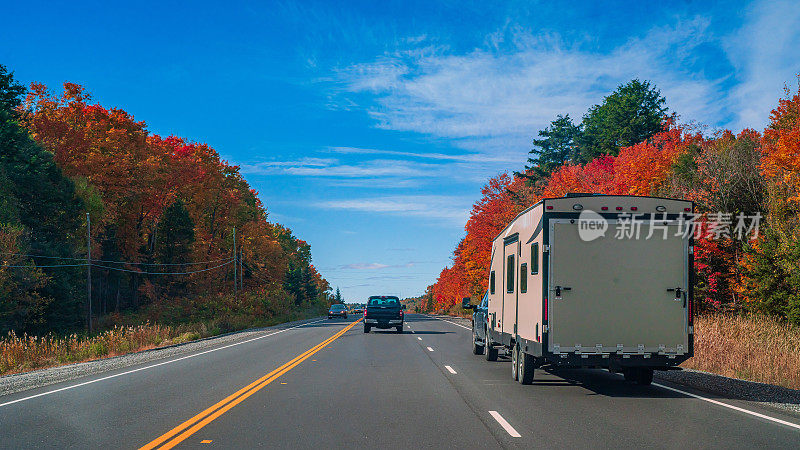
[115, 262]
[162, 273]
[47, 267]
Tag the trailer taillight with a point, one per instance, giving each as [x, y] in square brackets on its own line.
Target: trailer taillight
[550, 207]
[619, 208]
[545, 309]
[691, 312]
[687, 209]
[633, 208]
[604, 208]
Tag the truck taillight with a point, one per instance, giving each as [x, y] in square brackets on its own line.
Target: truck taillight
[365, 312]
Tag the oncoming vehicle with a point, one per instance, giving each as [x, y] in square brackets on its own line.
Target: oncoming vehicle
[383, 312]
[568, 290]
[337, 310]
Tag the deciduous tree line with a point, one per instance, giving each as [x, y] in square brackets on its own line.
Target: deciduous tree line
[158, 206]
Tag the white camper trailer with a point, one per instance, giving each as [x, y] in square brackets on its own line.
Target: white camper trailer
[593, 281]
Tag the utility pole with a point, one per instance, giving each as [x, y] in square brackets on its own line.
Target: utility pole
[235, 275]
[89, 268]
[241, 265]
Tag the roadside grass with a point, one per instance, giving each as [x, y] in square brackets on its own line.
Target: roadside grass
[25, 353]
[749, 347]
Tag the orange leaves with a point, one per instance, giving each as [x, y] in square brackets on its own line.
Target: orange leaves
[489, 215]
[781, 143]
[641, 169]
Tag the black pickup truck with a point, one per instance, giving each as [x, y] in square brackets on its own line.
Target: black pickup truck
[383, 312]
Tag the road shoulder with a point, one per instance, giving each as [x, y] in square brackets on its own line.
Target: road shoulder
[15, 383]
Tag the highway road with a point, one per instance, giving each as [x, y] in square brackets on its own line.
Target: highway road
[327, 384]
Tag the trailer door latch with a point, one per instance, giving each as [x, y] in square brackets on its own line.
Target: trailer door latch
[677, 291]
[558, 290]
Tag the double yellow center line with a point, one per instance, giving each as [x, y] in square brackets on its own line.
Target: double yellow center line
[178, 434]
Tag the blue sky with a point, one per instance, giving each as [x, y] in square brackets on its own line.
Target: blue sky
[369, 127]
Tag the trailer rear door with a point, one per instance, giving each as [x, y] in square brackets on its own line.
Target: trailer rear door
[617, 297]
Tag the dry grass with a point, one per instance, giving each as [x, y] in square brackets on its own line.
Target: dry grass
[24, 353]
[755, 348]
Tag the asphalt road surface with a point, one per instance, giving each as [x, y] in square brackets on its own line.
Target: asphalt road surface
[327, 384]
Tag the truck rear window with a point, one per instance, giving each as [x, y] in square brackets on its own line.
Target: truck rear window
[390, 301]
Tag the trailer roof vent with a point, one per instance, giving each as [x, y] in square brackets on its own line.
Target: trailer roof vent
[580, 194]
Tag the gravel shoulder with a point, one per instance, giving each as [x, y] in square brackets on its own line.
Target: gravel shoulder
[11, 384]
[766, 395]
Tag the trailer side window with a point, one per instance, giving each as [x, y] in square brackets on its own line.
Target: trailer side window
[510, 273]
[523, 278]
[491, 283]
[534, 258]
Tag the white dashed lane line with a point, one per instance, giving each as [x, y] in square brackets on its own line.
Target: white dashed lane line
[503, 423]
[450, 369]
[419, 338]
[430, 349]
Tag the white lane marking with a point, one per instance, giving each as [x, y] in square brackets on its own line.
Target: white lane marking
[153, 365]
[419, 338]
[746, 411]
[430, 349]
[456, 324]
[507, 426]
[450, 369]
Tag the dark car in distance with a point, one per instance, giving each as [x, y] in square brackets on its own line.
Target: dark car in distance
[383, 311]
[337, 310]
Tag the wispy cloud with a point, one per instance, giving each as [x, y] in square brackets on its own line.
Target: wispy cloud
[375, 266]
[333, 168]
[449, 209]
[766, 55]
[499, 96]
[463, 157]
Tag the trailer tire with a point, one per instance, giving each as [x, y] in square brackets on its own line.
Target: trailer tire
[489, 350]
[515, 363]
[644, 377]
[629, 375]
[477, 349]
[526, 367]
[366, 328]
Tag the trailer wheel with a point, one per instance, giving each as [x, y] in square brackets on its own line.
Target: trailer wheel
[644, 376]
[525, 370]
[515, 363]
[477, 349]
[629, 375]
[490, 352]
[366, 328]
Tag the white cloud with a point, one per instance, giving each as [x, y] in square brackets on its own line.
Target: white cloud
[498, 97]
[375, 266]
[462, 157]
[449, 209]
[766, 54]
[331, 167]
